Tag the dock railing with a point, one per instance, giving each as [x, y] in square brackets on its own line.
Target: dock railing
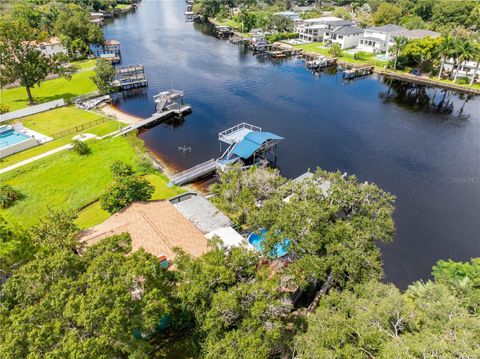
[224, 134]
[195, 172]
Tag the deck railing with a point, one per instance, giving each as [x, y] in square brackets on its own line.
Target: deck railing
[194, 172]
[236, 128]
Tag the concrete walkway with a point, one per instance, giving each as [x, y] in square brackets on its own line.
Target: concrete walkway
[34, 158]
[82, 137]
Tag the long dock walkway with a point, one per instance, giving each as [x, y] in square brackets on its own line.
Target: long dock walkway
[156, 117]
[194, 173]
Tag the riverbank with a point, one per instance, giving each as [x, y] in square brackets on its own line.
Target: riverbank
[112, 111]
[345, 59]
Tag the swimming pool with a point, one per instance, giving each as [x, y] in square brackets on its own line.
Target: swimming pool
[9, 137]
[279, 249]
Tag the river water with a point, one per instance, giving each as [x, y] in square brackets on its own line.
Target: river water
[423, 145]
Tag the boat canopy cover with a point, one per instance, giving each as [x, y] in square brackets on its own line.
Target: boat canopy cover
[252, 142]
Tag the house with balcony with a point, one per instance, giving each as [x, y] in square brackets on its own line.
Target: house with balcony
[313, 29]
[378, 39]
[344, 33]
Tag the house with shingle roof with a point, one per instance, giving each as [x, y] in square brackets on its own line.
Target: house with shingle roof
[156, 226]
[377, 39]
[347, 36]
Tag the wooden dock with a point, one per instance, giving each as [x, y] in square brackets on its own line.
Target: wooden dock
[130, 77]
[194, 173]
[155, 119]
[358, 72]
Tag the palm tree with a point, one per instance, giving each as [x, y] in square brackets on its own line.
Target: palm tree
[399, 44]
[447, 51]
[466, 51]
[476, 58]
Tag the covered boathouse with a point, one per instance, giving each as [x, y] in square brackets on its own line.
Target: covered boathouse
[249, 144]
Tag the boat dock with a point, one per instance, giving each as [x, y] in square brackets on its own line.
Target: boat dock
[130, 77]
[246, 143]
[168, 103]
[320, 62]
[199, 171]
[358, 72]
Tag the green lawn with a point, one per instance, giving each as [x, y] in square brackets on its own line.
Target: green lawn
[63, 118]
[99, 130]
[66, 180]
[123, 6]
[81, 83]
[365, 58]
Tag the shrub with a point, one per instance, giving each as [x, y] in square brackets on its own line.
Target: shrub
[335, 50]
[4, 108]
[145, 165]
[120, 170]
[124, 191]
[81, 148]
[8, 196]
[463, 80]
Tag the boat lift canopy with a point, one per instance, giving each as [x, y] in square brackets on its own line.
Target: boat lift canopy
[252, 142]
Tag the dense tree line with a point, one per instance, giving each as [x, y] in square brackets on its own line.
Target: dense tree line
[60, 298]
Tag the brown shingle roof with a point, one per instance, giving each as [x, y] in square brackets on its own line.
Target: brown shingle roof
[156, 226]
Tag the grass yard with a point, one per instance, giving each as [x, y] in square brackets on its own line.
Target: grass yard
[60, 119]
[81, 83]
[99, 130]
[123, 6]
[68, 181]
[365, 58]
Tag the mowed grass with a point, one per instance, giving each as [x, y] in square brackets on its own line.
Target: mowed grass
[99, 130]
[59, 119]
[65, 180]
[365, 58]
[81, 83]
[68, 181]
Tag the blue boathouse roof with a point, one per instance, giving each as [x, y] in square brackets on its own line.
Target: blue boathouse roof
[252, 142]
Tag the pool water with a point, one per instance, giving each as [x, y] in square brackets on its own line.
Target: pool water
[11, 137]
[383, 57]
[279, 249]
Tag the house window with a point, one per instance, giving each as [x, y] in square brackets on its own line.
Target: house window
[340, 37]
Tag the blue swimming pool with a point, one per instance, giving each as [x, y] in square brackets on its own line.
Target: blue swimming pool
[279, 250]
[9, 137]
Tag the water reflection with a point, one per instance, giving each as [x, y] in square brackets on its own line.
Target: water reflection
[416, 97]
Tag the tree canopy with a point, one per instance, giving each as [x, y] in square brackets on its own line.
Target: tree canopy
[61, 304]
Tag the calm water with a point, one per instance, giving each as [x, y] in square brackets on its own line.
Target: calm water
[420, 144]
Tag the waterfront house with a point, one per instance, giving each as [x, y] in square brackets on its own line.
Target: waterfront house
[467, 69]
[377, 39]
[156, 226]
[52, 47]
[343, 33]
[313, 29]
[416, 34]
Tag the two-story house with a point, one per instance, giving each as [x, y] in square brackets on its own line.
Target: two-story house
[313, 29]
[378, 39]
[342, 32]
